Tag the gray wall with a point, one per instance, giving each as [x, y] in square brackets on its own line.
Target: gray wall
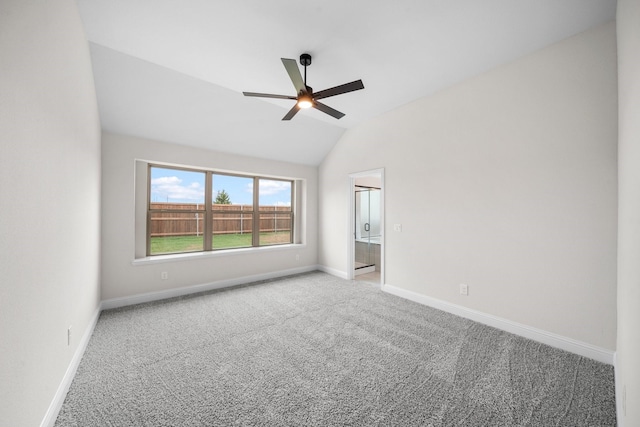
[121, 278]
[50, 193]
[506, 182]
[628, 352]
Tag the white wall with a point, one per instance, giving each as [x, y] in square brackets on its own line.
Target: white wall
[628, 353]
[121, 278]
[505, 182]
[50, 194]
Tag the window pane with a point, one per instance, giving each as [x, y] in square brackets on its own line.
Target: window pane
[173, 232]
[274, 193]
[232, 211]
[275, 212]
[232, 190]
[275, 227]
[232, 227]
[177, 187]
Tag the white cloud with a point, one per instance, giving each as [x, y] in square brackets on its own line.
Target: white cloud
[170, 188]
[268, 188]
[166, 180]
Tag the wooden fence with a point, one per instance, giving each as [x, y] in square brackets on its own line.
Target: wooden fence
[227, 219]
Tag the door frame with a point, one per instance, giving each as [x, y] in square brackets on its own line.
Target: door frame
[351, 188]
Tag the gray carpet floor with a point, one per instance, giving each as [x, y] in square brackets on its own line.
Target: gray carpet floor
[316, 350]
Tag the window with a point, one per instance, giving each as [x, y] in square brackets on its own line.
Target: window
[232, 211]
[176, 211]
[196, 210]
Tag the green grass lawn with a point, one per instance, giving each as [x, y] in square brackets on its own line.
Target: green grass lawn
[175, 244]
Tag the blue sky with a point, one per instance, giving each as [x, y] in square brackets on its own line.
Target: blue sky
[178, 186]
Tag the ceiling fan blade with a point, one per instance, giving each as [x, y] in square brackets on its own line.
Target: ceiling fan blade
[338, 90]
[326, 109]
[268, 95]
[291, 112]
[294, 74]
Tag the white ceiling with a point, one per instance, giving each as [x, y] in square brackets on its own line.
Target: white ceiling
[175, 70]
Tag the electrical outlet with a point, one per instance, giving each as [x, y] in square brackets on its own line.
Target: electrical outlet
[464, 289]
[297, 257]
[397, 227]
[164, 275]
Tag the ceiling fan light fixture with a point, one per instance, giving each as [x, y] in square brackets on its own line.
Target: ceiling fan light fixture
[305, 101]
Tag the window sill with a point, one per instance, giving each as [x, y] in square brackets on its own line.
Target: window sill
[157, 259]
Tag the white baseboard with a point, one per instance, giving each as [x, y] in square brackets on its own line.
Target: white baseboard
[56, 404]
[188, 290]
[333, 271]
[568, 344]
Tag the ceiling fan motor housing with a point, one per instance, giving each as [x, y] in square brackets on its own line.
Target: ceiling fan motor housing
[305, 59]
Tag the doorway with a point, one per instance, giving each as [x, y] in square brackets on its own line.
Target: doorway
[366, 257]
[367, 229]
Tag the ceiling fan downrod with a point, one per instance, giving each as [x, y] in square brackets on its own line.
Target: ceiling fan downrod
[305, 60]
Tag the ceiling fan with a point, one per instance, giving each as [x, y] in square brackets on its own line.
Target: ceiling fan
[305, 97]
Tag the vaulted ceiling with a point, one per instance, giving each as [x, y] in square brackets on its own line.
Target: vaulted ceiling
[175, 70]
